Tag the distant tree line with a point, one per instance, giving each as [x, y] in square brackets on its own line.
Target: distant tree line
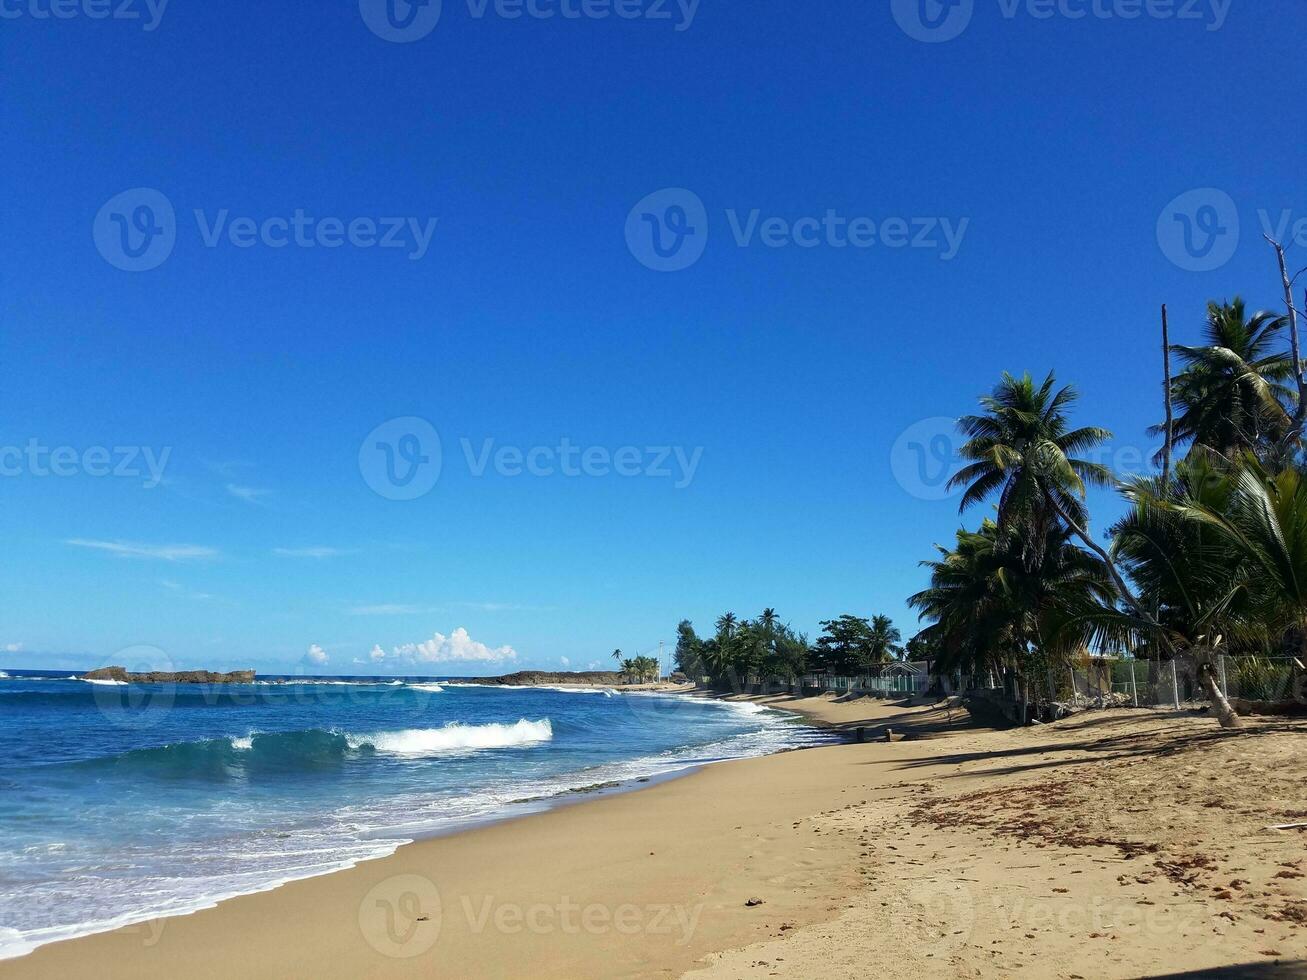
[766, 647]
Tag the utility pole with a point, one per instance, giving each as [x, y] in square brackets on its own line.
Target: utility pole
[660, 660]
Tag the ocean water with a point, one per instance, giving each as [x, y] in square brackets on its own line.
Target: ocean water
[120, 803]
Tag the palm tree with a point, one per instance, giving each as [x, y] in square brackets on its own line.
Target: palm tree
[1022, 449]
[617, 655]
[726, 624]
[970, 611]
[883, 640]
[1233, 391]
[993, 610]
[1181, 568]
[1221, 553]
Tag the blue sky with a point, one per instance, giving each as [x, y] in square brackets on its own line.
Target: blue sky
[784, 374]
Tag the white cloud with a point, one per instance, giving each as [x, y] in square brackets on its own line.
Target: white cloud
[564, 661]
[321, 552]
[388, 609]
[455, 648]
[13, 648]
[180, 589]
[316, 655]
[160, 552]
[250, 495]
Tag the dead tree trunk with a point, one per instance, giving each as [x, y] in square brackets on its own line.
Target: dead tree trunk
[1166, 395]
[1300, 412]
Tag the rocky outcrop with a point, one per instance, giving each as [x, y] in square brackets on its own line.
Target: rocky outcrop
[534, 678]
[121, 675]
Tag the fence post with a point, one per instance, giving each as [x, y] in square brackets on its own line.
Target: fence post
[1134, 687]
[1175, 685]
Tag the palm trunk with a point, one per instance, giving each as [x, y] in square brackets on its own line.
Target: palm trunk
[1118, 582]
[1225, 714]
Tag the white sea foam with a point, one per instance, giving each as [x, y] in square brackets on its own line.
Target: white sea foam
[455, 738]
[105, 683]
[242, 744]
[433, 688]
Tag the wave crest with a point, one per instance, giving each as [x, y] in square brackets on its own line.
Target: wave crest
[455, 737]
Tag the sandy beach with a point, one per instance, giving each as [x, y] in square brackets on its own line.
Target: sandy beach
[1115, 844]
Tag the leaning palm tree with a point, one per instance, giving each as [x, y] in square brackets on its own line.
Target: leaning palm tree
[1220, 554]
[1182, 569]
[1022, 449]
[1264, 529]
[1233, 391]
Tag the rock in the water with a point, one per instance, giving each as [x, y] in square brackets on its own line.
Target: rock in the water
[121, 675]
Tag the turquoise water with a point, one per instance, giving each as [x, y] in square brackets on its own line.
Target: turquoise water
[119, 803]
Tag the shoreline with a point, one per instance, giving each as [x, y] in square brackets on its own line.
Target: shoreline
[513, 810]
[839, 845]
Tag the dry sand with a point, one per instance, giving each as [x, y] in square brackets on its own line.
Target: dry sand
[1116, 844]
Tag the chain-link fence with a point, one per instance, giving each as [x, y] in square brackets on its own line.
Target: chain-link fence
[1151, 683]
